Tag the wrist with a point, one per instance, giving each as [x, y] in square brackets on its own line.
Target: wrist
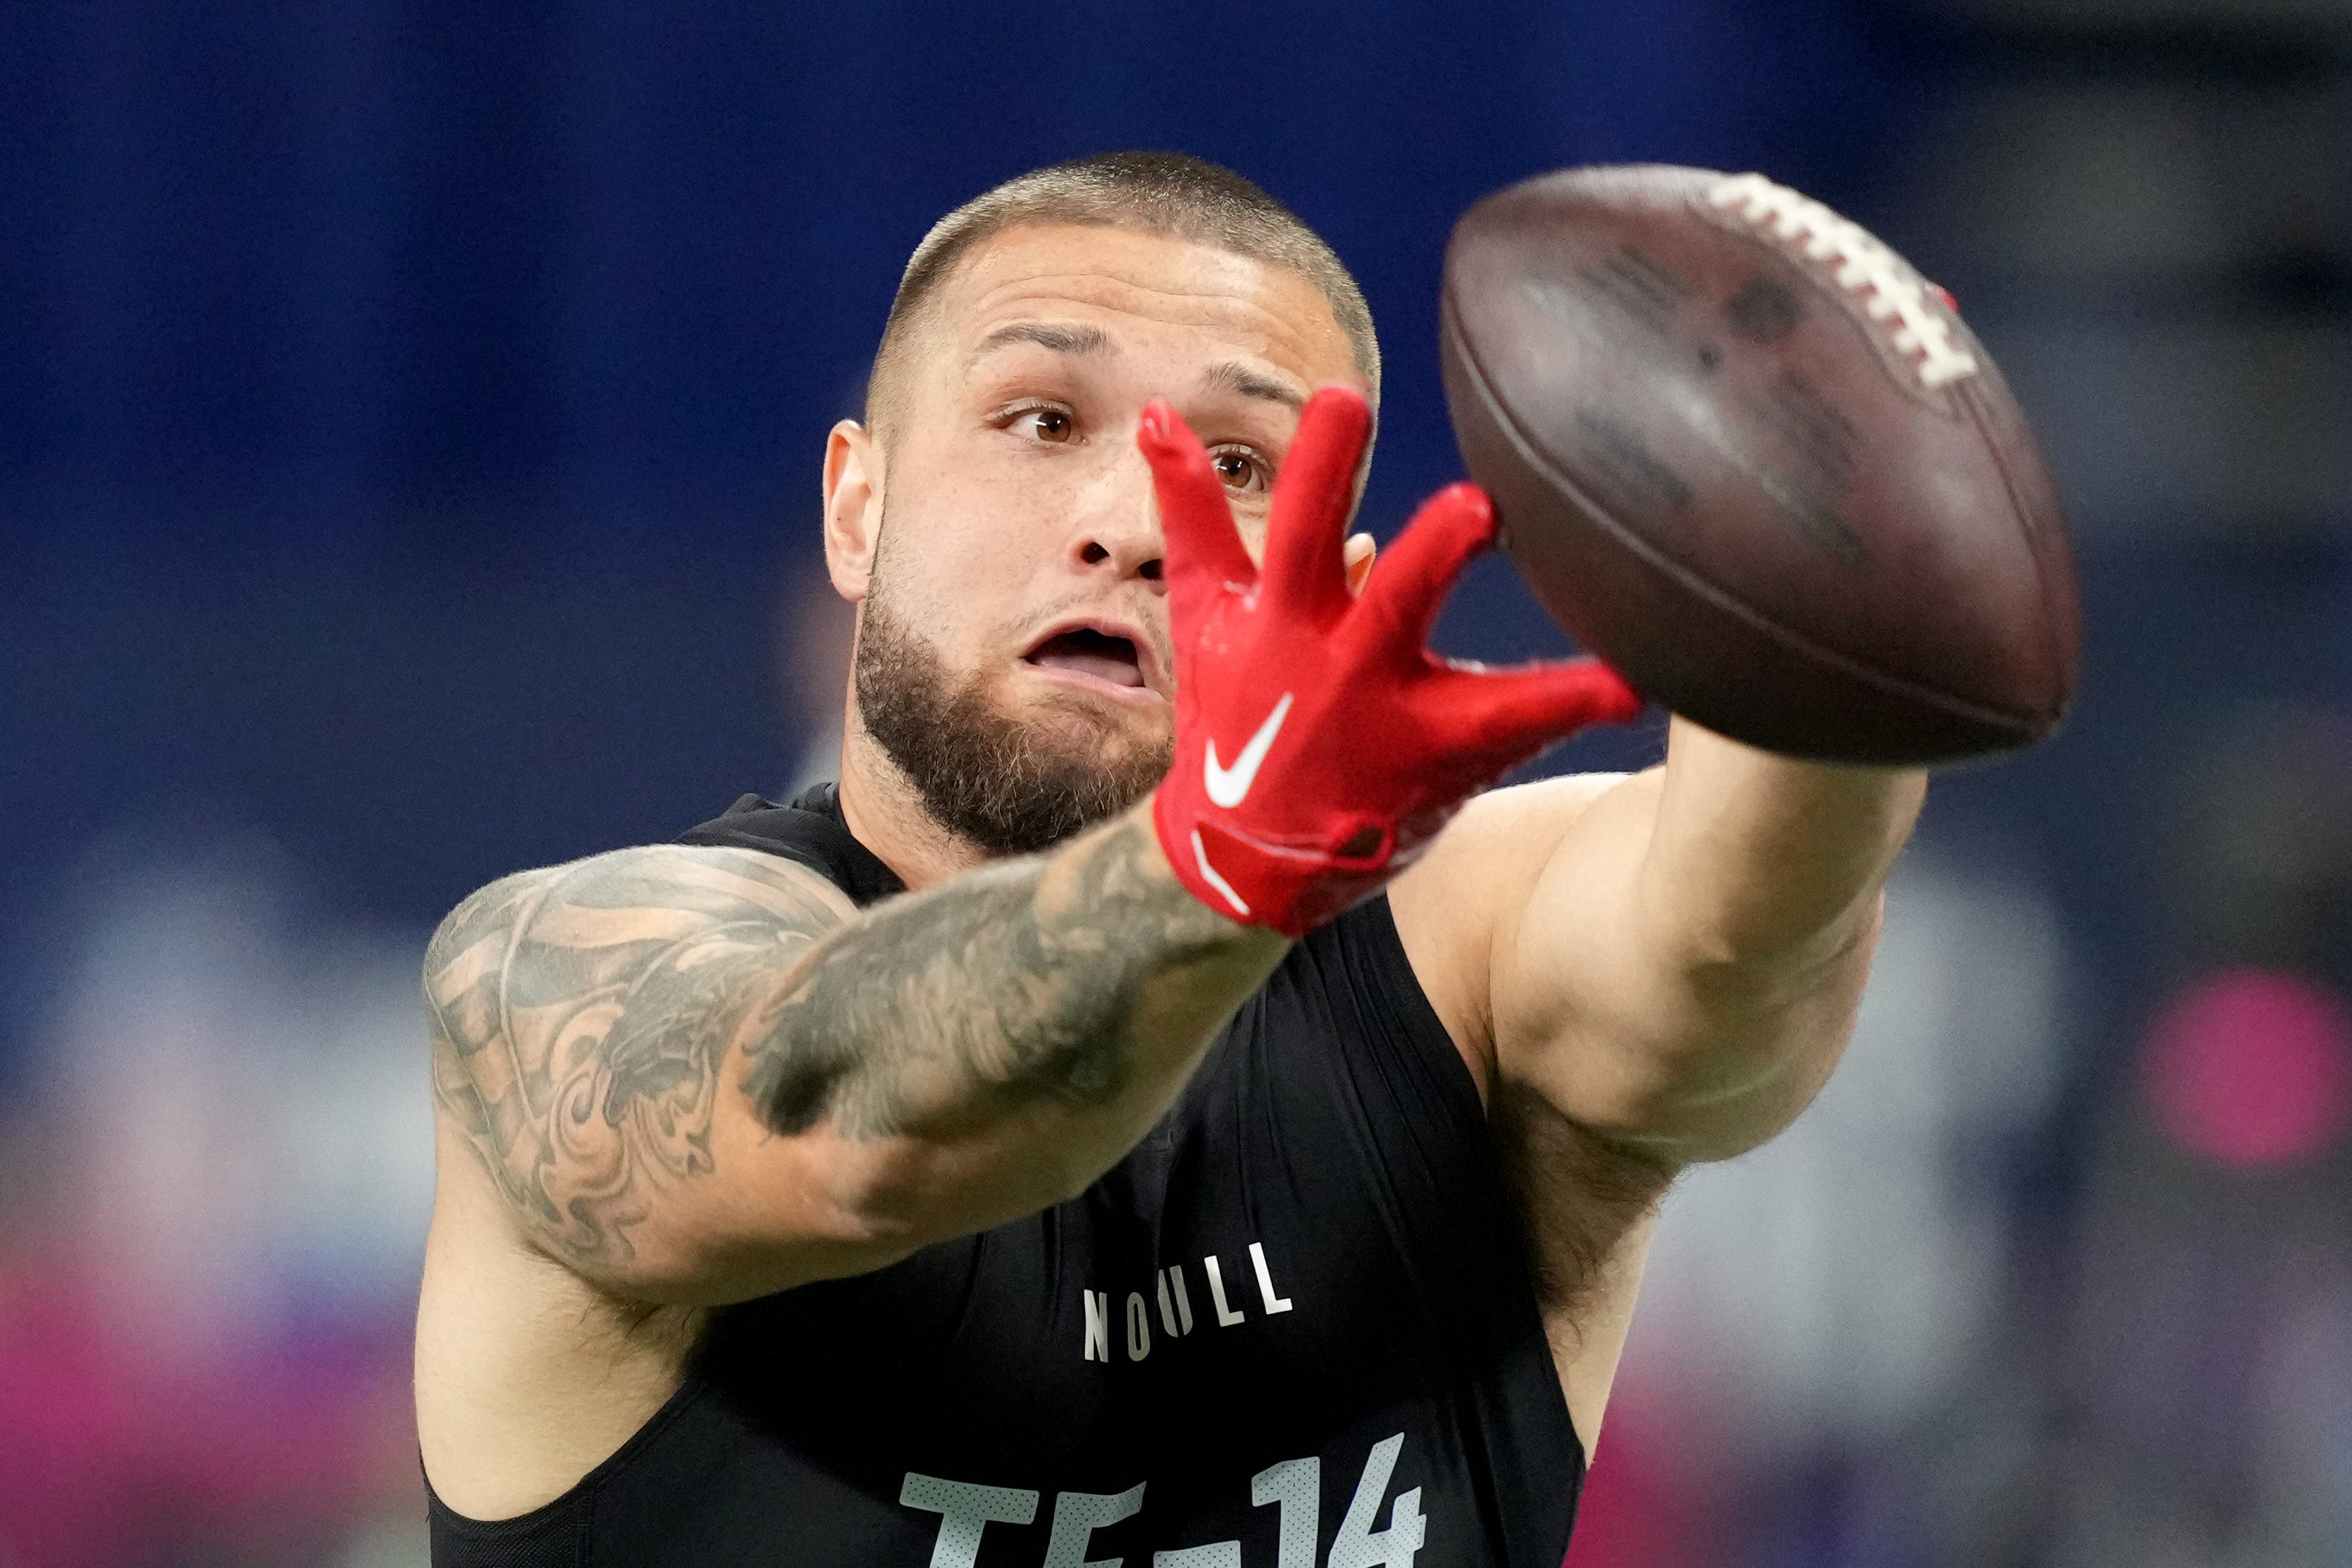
[1248, 878]
[1193, 921]
[1848, 800]
[1768, 863]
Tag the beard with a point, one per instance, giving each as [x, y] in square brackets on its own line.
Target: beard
[1010, 786]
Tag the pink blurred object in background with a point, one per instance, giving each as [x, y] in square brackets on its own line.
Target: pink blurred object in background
[1651, 1501]
[2252, 1068]
[108, 1451]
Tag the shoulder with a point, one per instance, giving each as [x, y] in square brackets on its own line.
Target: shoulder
[1469, 884]
[528, 969]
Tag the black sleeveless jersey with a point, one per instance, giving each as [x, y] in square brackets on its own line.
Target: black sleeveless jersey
[1294, 1328]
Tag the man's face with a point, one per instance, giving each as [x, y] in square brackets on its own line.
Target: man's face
[1015, 656]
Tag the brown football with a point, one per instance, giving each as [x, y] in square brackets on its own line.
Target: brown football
[1743, 451]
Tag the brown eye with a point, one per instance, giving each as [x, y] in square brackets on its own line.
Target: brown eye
[1050, 424]
[1239, 470]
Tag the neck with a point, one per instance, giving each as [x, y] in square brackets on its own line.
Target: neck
[882, 807]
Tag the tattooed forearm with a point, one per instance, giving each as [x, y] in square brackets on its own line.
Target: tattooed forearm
[1024, 983]
[586, 1018]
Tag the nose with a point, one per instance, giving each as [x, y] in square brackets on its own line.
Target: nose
[1121, 535]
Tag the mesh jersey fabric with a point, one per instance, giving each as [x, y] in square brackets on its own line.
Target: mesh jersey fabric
[1293, 1328]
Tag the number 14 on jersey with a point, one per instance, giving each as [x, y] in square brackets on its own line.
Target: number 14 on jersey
[1295, 1487]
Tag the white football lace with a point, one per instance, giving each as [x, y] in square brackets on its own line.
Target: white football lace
[1891, 291]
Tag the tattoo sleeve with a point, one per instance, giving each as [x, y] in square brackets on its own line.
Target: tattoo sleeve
[590, 1022]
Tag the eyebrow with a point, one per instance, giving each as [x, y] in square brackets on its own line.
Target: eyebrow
[1084, 337]
[1062, 340]
[1235, 378]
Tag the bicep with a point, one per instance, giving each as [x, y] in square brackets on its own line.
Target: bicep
[1603, 1008]
[588, 1026]
[1459, 904]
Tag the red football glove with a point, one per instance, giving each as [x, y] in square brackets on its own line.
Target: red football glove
[1319, 744]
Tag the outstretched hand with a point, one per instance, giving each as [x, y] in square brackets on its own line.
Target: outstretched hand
[1319, 744]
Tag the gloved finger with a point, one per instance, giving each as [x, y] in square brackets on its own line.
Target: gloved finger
[1312, 498]
[1524, 708]
[1415, 573]
[1204, 551]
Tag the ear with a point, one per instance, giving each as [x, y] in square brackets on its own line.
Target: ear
[853, 507]
[1356, 557]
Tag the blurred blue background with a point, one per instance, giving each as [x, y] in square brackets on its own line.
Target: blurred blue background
[409, 424]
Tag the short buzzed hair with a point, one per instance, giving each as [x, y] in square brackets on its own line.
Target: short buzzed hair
[1167, 193]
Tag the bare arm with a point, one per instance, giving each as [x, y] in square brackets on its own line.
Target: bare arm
[1645, 972]
[1673, 960]
[699, 1074]
[1686, 972]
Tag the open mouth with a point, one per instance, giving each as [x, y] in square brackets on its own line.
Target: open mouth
[1084, 650]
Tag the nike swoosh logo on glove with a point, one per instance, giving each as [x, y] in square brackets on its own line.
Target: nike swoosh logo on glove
[1230, 787]
[1208, 875]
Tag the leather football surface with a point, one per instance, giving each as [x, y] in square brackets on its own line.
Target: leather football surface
[1746, 454]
